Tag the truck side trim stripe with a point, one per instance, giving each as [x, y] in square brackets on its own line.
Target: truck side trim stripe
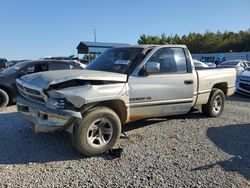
[231, 86]
[204, 91]
[163, 102]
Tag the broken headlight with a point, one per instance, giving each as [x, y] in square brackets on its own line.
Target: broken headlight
[57, 103]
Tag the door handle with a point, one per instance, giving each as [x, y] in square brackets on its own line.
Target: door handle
[188, 82]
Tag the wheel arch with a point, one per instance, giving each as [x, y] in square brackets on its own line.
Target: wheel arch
[118, 106]
[222, 86]
[7, 90]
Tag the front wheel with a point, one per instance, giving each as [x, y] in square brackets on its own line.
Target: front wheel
[215, 104]
[97, 132]
[4, 98]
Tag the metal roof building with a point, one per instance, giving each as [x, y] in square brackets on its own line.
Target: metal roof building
[95, 47]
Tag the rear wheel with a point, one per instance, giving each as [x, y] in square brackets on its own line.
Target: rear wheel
[97, 132]
[4, 98]
[215, 104]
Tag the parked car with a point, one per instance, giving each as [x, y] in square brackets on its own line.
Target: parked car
[243, 82]
[3, 63]
[71, 57]
[8, 90]
[210, 61]
[199, 64]
[122, 85]
[66, 58]
[239, 65]
[213, 61]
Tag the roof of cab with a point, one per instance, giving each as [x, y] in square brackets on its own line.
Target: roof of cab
[153, 45]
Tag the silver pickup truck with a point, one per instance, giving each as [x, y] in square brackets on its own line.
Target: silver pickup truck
[123, 84]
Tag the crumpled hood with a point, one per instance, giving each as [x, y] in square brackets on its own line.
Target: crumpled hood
[45, 79]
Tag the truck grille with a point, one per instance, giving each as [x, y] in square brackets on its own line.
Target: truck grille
[245, 86]
[244, 79]
[30, 92]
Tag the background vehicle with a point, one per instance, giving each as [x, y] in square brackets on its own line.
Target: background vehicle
[199, 64]
[71, 57]
[243, 82]
[8, 90]
[13, 62]
[3, 63]
[239, 65]
[210, 61]
[80, 62]
[213, 61]
[121, 85]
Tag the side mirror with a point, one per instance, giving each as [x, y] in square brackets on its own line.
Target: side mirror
[152, 67]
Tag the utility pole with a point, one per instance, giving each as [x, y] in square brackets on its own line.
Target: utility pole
[94, 35]
[171, 38]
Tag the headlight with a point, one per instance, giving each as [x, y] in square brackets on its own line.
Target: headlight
[57, 103]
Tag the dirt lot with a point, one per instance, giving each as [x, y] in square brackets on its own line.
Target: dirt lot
[181, 151]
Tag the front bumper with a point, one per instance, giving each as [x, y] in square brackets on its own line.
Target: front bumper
[43, 118]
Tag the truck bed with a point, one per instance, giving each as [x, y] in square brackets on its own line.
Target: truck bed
[210, 78]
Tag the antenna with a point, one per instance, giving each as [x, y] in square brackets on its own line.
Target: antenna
[94, 35]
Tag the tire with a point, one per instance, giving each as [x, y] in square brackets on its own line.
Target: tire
[4, 98]
[97, 132]
[215, 104]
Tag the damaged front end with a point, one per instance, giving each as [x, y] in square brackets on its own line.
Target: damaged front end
[34, 105]
[45, 119]
[81, 92]
[56, 105]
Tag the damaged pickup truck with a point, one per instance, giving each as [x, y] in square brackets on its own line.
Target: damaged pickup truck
[122, 85]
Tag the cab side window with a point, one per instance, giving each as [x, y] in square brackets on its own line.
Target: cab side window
[33, 69]
[41, 67]
[59, 66]
[74, 66]
[172, 60]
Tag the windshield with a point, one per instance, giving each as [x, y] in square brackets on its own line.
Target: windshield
[115, 60]
[12, 69]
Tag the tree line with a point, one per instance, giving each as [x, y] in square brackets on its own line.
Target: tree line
[209, 42]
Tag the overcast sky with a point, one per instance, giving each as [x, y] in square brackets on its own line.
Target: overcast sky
[34, 28]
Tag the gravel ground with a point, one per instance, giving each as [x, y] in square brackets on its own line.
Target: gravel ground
[181, 151]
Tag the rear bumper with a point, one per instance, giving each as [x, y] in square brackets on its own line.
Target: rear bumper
[43, 118]
[231, 90]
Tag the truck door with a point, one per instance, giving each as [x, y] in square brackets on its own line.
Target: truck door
[166, 92]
